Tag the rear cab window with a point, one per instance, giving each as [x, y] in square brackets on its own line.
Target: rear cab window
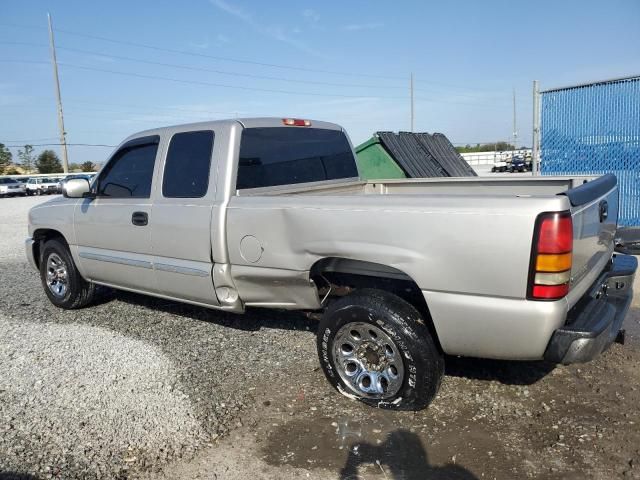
[272, 156]
[186, 171]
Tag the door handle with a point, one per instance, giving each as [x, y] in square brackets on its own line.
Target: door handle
[140, 219]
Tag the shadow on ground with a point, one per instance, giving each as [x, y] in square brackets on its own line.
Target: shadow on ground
[16, 476]
[506, 372]
[400, 457]
[503, 371]
[253, 320]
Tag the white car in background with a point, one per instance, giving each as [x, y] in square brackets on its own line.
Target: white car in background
[10, 188]
[500, 166]
[42, 185]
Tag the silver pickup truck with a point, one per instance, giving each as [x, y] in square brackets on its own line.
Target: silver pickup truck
[270, 212]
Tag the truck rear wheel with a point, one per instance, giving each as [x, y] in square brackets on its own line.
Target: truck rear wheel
[376, 347]
[61, 280]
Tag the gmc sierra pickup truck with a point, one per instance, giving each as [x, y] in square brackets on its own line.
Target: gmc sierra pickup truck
[271, 212]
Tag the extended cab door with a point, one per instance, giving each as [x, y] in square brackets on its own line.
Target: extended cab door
[112, 229]
[182, 209]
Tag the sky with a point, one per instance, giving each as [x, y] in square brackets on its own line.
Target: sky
[129, 66]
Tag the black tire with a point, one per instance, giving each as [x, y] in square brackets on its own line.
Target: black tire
[422, 360]
[79, 293]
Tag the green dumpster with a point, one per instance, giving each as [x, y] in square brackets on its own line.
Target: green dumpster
[374, 163]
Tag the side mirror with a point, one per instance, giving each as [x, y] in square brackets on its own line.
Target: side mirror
[76, 188]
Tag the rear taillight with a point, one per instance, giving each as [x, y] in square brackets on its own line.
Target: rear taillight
[551, 256]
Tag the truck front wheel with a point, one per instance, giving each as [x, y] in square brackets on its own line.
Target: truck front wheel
[61, 280]
[376, 347]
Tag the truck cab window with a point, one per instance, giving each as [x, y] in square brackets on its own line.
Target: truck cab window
[130, 171]
[284, 156]
[186, 171]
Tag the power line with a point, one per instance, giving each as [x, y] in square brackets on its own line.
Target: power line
[226, 59]
[229, 59]
[31, 140]
[221, 85]
[243, 61]
[264, 77]
[238, 87]
[224, 72]
[203, 69]
[208, 84]
[130, 106]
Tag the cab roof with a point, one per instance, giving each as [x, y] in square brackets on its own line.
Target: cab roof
[251, 122]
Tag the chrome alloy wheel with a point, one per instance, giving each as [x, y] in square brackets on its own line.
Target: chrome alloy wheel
[57, 276]
[368, 360]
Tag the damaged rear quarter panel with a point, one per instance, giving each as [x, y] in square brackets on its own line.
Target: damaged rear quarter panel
[447, 243]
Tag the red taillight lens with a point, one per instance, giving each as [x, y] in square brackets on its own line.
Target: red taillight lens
[555, 234]
[551, 258]
[550, 291]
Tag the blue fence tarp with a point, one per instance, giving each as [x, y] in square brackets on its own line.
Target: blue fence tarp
[595, 129]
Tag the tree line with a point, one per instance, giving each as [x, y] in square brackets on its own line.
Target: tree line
[46, 162]
[486, 147]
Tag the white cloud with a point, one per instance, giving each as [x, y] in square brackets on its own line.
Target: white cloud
[222, 39]
[355, 27]
[274, 31]
[200, 45]
[311, 15]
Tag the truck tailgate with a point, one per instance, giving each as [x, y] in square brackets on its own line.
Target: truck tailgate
[594, 211]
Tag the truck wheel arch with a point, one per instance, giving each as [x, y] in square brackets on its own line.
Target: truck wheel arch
[41, 236]
[338, 276]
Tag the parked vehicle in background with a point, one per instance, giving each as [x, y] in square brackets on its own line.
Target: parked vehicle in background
[276, 216]
[500, 166]
[42, 185]
[518, 164]
[22, 181]
[11, 188]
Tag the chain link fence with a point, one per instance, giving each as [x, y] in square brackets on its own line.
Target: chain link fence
[594, 129]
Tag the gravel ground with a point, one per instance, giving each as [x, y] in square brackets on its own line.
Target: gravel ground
[164, 390]
[144, 381]
[90, 398]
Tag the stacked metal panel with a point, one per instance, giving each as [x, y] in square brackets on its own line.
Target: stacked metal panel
[422, 155]
[446, 155]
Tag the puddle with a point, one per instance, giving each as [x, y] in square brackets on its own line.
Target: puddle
[376, 447]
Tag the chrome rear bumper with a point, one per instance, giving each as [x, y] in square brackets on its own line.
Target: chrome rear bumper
[594, 322]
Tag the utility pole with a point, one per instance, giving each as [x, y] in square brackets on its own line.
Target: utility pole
[535, 152]
[63, 135]
[515, 128]
[411, 90]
